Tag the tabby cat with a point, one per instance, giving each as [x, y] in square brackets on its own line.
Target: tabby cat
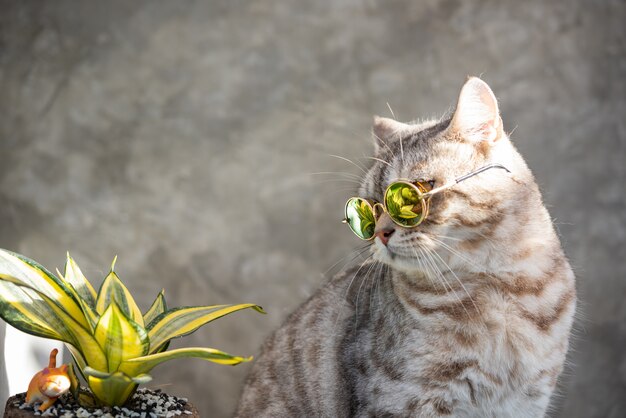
[466, 315]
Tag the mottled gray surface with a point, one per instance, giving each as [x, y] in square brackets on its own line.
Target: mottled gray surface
[182, 136]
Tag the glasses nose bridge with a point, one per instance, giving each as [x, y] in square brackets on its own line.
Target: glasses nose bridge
[378, 209]
[385, 224]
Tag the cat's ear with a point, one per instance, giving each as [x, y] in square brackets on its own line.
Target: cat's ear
[387, 130]
[477, 117]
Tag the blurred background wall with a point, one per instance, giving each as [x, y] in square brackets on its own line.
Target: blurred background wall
[182, 136]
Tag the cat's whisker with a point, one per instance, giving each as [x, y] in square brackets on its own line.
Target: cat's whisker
[370, 274]
[350, 161]
[345, 293]
[385, 273]
[358, 293]
[423, 267]
[487, 240]
[379, 160]
[358, 183]
[450, 238]
[342, 190]
[385, 144]
[340, 173]
[358, 252]
[340, 182]
[372, 287]
[442, 275]
[436, 274]
[461, 256]
[457, 279]
[455, 252]
[376, 282]
[391, 110]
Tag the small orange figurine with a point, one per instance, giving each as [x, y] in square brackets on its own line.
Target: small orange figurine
[50, 383]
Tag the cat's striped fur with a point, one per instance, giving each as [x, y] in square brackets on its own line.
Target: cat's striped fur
[467, 315]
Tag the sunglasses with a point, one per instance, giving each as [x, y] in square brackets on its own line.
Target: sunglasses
[404, 201]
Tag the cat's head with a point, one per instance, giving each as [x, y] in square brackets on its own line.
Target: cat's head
[465, 217]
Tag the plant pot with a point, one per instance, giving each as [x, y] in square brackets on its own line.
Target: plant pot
[153, 403]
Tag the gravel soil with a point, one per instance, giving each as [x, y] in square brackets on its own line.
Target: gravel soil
[145, 403]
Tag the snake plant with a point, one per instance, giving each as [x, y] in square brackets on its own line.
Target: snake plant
[113, 344]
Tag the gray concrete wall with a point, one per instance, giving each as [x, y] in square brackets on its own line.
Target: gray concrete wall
[182, 137]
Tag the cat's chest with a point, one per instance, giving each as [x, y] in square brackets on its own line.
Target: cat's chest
[401, 364]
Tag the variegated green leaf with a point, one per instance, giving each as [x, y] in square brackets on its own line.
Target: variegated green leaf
[86, 399]
[120, 337]
[88, 311]
[182, 321]
[139, 379]
[42, 309]
[74, 382]
[113, 289]
[19, 313]
[90, 314]
[31, 274]
[113, 390]
[25, 309]
[142, 379]
[157, 308]
[74, 276]
[160, 349]
[78, 358]
[90, 371]
[144, 364]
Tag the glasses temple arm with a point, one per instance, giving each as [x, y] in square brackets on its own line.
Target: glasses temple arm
[480, 170]
[465, 177]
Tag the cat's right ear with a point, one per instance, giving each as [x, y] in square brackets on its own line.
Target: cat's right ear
[386, 131]
[477, 117]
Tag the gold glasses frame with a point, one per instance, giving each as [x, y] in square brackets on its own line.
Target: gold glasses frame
[424, 195]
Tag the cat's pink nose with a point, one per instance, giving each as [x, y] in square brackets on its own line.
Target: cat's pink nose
[384, 235]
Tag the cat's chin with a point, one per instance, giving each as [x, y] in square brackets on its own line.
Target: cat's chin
[404, 264]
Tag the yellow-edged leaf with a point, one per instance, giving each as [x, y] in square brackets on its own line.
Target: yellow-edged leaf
[18, 309]
[47, 311]
[83, 341]
[144, 364]
[114, 390]
[74, 382]
[157, 308]
[88, 311]
[90, 314]
[78, 358]
[113, 289]
[120, 337]
[75, 277]
[139, 379]
[25, 309]
[185, 320]
[33, 275]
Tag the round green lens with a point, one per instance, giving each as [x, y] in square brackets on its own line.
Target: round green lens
[405, 204]
[360, 217]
